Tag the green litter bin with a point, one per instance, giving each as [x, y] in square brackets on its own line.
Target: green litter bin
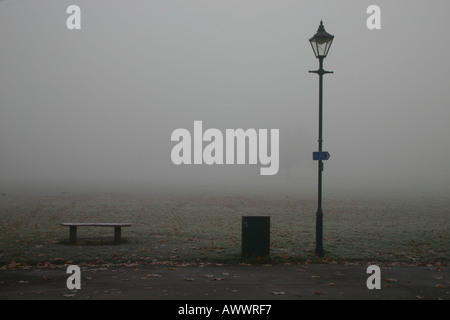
[255, 236]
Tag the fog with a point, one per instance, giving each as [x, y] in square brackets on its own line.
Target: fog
[97, 106]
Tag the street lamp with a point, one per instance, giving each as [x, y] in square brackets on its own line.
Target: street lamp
[321, 43]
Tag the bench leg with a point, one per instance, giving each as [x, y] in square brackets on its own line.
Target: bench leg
[73, 234]
[117, 234]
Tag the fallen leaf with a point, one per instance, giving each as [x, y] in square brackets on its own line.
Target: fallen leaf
[219, 279]
[331, 284]
[318, 293]
[440, 286]
[189, 279]
[277, 293]
[391, 280]
[23, 281]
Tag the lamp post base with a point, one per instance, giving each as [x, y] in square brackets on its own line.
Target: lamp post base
[319, 227]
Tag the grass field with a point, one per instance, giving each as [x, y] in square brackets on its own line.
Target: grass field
[204, 225]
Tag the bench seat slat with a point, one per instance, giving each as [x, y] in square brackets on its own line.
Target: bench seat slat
[95, 224]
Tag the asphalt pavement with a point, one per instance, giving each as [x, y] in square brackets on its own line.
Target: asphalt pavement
[228, 282]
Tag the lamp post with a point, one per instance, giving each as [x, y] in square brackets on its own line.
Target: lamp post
[321, 43]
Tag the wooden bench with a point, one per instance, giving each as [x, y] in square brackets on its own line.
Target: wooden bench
[73, 228]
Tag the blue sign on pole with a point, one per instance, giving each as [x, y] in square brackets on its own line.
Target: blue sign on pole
[324, 155]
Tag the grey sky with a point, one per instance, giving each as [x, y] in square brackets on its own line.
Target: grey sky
[99, 104]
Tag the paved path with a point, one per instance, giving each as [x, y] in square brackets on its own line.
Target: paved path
[228, 282]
